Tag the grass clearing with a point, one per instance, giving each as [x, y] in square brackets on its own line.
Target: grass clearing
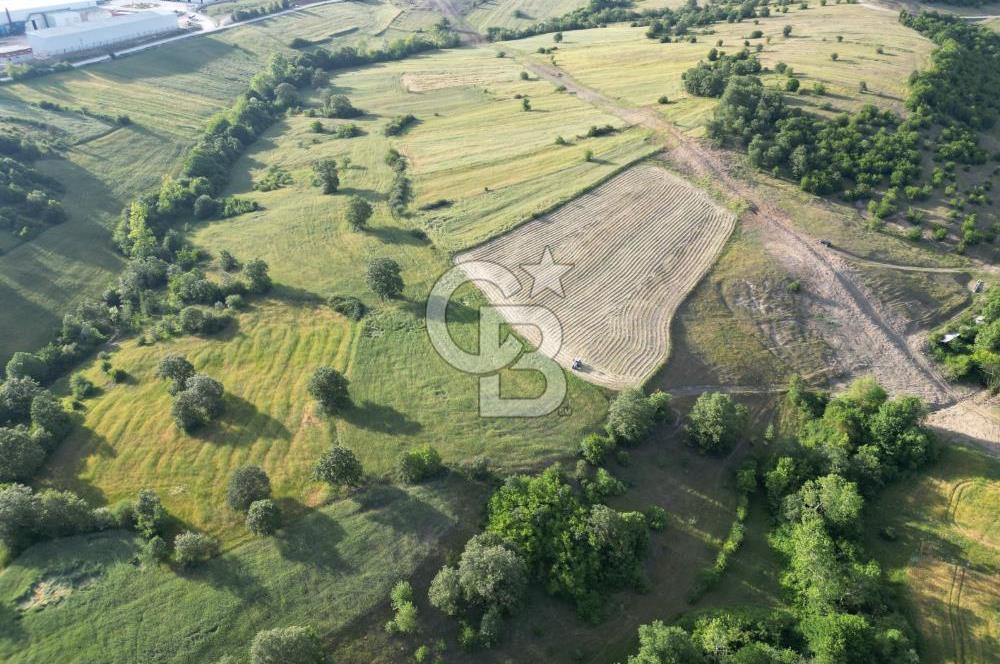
[329, 569]
[947, 554]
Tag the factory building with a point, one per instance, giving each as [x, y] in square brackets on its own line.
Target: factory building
[74, 37]
[20, 16]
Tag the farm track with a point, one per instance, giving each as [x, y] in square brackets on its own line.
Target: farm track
[863, 340]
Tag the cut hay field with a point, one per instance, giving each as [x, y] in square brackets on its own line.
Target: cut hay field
[168, 92]
[631, 250]
[622, 63]
[947, 554]
[331, 570]
[489, 181]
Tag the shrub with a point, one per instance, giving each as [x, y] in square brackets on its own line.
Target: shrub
[595, 448]
[287, 645]
[445, 592]
[156, 550]
[191, 548]
[338, 467]
[263, 517]
[399, 124]
[420, 464]
[256, 272]
[147, 513]
[81, 387]
[347, 306]
[325, 175]
[329, 387]
[663, 99]
[247, 484]
[656, 517]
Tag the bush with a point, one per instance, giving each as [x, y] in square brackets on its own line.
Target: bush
[147, 513]
[325, 175]
[656, 517]
[191, 548]
[347, 306]
[81, 387]
[420, 464]
[263, 517]
[399, 124]
[156, 550]
[287, 645]
[595, 448]
[247, 485]
[329, 387]
[445, 592]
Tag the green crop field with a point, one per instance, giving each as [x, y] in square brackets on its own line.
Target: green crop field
[946, 553]
[168, 92]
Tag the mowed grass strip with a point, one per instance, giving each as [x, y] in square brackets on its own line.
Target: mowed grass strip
[129, 441]
[168, 92]
[946, 554]
[622, 63]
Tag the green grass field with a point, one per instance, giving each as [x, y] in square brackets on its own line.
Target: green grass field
[168, 92]
[334, 567]
[946, 557]
[622, 63]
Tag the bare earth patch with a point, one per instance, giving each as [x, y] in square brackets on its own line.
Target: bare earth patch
[636, 245]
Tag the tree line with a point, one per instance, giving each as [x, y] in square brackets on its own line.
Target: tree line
[28, 202]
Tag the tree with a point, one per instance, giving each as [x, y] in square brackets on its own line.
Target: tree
[287, 645]
[185, 411]
[256, 272]
[525, 104]
[558, 37]
[263, 517]
[716, 422]
[20, 454]
[660, 644]
[228, 262]
[834, 56]
[19, 511]
[445, 592]
[48, 414]
[326, 176]
[491, 574]
[199, 403]
[205, 207]
[26, 365]
[339, 467]
[191, 548]
[176, 369]
[247, 484]
[383, 277]
[148, 513]
[787, 30]
[329, 387]
[832, 498]
[16, 395]
[595, 448]
[630, 417]
[359, 211]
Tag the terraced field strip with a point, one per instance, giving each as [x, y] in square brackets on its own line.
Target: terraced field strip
[636, 245]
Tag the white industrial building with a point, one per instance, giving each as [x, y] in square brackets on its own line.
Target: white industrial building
[95, 33]
[20, 16]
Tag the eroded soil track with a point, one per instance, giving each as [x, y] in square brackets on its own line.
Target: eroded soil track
[863, 340]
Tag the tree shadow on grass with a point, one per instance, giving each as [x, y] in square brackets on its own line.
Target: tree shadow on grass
[312, 541]
[241, 423]
[381, 418]
[393, 235]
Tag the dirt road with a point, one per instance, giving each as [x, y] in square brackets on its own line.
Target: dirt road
[863, 340]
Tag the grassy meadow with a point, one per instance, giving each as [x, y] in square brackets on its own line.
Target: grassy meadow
[168, 92]
[622, 63]
[946, 555]
[331, 569]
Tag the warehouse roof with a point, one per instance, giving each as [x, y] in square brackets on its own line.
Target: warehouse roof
[96, 24]
[20, 9]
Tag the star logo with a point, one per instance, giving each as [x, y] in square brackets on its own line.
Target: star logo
[546, 274]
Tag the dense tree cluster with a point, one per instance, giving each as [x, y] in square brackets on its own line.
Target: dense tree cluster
[27, 198]
[834, 454]
[32, 421]
[972, 349]
[708, 79]
[401, 191]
